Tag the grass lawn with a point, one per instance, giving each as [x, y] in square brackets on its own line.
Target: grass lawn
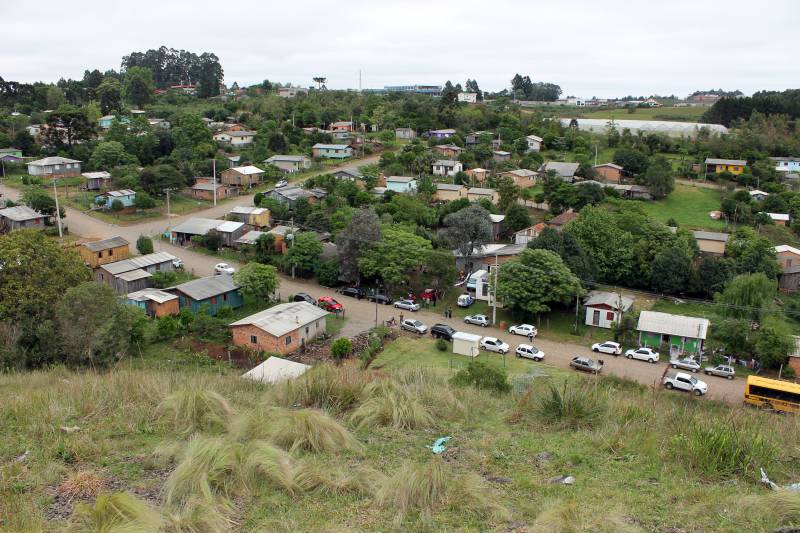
[689, 206]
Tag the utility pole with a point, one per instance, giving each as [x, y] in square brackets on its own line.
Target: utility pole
[214, 173]
[494, 292]
[58, 211]
[291, 240]
[595, 155]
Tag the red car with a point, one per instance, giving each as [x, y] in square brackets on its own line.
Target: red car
[329, 304]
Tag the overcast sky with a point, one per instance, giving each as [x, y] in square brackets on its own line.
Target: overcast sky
[589, 48]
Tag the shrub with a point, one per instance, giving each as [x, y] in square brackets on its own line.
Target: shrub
[81, 485]
[311, 430]
[571, 406]
[144, 245]
[482, 376]
[167, 327]
[390, 404]
[191, 410]
[120, 511]
[208, 469]
[323, 387]
[164, 278]
[341, 348]
[441, 345]
[264, 463]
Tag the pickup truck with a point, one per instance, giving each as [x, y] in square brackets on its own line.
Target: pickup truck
[686, 382]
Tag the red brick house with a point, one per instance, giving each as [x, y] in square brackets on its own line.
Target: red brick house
[609, 172]
[282, 329]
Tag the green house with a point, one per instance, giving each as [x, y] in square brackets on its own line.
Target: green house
[681, 334]
[10, 153]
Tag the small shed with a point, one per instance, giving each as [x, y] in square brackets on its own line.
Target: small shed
[466, 344]
[276, 369]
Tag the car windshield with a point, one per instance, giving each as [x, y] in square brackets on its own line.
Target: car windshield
[693, 380]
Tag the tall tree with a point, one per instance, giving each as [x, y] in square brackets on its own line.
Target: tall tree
[752, 253]
[535, 279]
[671, 271]
[304, 253]
[395, 256]
[659, 178]
[467, 229]
[109, 154]
[257, 281]
[358, 235]
[748, 296]
[139, 86]
[109, 93]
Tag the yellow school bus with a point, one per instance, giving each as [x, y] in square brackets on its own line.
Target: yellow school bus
[768, 393]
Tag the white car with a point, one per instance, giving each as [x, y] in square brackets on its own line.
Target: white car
[529, 351]
[281, 183]
[523, 329]
[413, 325]
[177, 263]
[478, 320]
[687, 363]
[223, 268]
[408, 305]
[609, 347]
[494, 345]
[686, 382]
[643, 354]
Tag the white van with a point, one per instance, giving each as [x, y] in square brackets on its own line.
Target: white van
[465, 300]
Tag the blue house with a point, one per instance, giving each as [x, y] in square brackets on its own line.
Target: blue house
[332, 151]
[106, 121]
[786, 164]
[401, 184]
[442, 134]
[214, 291]
[126, 196]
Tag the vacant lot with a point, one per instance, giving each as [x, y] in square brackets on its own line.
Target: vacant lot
[688, 206]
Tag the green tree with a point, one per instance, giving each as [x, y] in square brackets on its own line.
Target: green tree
[144, 201]
[608, 247]
[264, 249]
[144, 245]
[139, 86]
[508, 191]
[157, 178]
[570, 251]
[671, 271]
[517, 217]
[659, 178]
[328, 273]
[751, 253]
[395, 256]
[304, 253]
[117, 205]
[748, 296]
[713, 274]
[467, 229]
[110, 154]
[39, 200]
[358, 235]
[633, 160]
[109, 93]
[535, 279]
[773, 343]
[440, 269]
[257, 281]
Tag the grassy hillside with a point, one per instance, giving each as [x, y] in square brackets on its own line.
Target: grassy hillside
[201, 449]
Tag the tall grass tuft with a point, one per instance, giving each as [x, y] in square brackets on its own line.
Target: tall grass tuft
[208, 469]
[724, 448]
[776, 509]
[572, 405]
[325, 387]
[392, 405]
[118, 512]
[265, 464]
[253, 424]
[321, 478]
[312, 431]
[192, 410]
[197, 515]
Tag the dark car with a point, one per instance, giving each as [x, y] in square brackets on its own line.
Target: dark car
[380, 298]
[303, 297]
[442, 331]
[586, 365]
[354, 292]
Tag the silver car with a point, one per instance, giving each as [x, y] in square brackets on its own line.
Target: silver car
[416, 326]
[477, 320]
[408, 305]
[723, 371]
[687, 363]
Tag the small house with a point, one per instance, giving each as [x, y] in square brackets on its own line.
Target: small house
[233, 160]
[681, 334]
[124, 196]
[16, 153]
[758, 196]
[450, 151]
[341, 126]
[402, 184]
[780, 219]
[524, 236]
[289, 163]
[107, 121]
[466, 343]
[236, 138]
[565, 171]
[447, 192]
[789, 278]
[474, 138]
[133, 274]
[257, 217]
[154, 302]
[731, 166]
[229, 231]
[282, 329]
[711, 242]
[469, 98]
[609, 172]
[405, 134]
[442, 134]
[476, 194]
[522, 177]
[276, 369]
[291, 92]
[477, 175]
[603, 309]
[20, 217]
[788, 256]
[534, 143]
[183, 232]
[208, 189]
[242, 177]
[250, 238]
[291, 194]
[97, 181]
[96, 253]
[279, 236]
[349, 175]
[446, 167]
[332, 151]
[213, 291]
[786, 164]
[55, 167]
[498, 225]
[559, 221]
[501, 156]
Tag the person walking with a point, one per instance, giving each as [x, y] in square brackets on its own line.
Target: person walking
[530, 337]
[401, 317]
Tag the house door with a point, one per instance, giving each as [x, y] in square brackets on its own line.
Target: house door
[596, 317]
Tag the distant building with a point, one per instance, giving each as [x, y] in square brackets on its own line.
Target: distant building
[405, 133]
[609, 172]
[430, 90]
[183, 232]
[402, 184]
[107, 121]
[603, 309]
[55, 167]
[124, 196]
[522, 177]
[524, 236]
[96, 181]
[476, 194]
[534, 143]
[20, 217]
[154, 302]
[442, 134]
[332, 151]
[682, 334]
[235, 138]
[340, 126]
[478, 175]
[450, 151]
[782, 164]
[133, 274]
[500, 156]
[446, 167]
[758, 196]
[13, 152]
[242, 177]
[447, 192]
[565, 171]
[291, 92]
[780, 219]
[96, 253]
[213, 292]
[203, 189]
[711, 242]
[718, 166]
[257, 217]
[558, 222]
[291, 194]
[470, 98]
[282, 329]
[289, 163]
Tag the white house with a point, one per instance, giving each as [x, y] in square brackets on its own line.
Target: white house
[291, 92]
[401, 183]
[469, 98]
[534, 143]
[235, 138]
[446, 167]
[55, 167]
[758, 196]
[605, 308]
[405, 133]
[289, 163]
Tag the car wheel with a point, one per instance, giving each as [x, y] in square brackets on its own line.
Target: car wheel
[730, 377]
[674, 366]
[483, 325]
[396, 307]
[708, 373]
[595, 349]
[697, 392]
[668, 385]
[652, 361]
[629, 356]
[695, 371]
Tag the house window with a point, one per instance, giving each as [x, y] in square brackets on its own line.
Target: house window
[213, 300]
[100, 255]
[110, 252]
[225, 297]
[306, 330]
[610, 315]
[288, 340]
[253, 339]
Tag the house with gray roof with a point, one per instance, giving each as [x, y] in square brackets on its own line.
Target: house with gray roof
[289, 163]
[446, 167]
[283, 328]
[711, 242]
[55, 167]
[133, 274]
[678, 334]
[563, 170]
[20, 217]
[213, 292]
[603, 308]
[290, 194]
[401, 183]
[96, 181]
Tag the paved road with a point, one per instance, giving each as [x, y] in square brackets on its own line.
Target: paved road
[361, 315]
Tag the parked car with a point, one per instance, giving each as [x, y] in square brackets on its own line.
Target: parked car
[686, 382]
[353, 292]
[523, 329]
[223, 268]
[379, 298]
[643, 354]
[329, 304]
[177, 263]
[477, 320]
[723, 371]
[687, 363]
[442, 331]
[494, 345]
[408, 305]
[529, 351]
[303, 297]
[465, 300]
[416, 326]
[586, 364]
[281, 183]
[609, 347]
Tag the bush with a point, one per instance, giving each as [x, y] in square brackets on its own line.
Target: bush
[572, 406]
[312, 431]
[167, 327]
[323, 387]
[191, 410]
[341, 348]
[162, 278]
[441, 345]
[328, 273]
[144, 244]
[390, 404]
[120, 511]
[482, 376]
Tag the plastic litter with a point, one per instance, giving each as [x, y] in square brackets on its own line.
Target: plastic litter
[794, 487]
[439, 444]
[562, 480]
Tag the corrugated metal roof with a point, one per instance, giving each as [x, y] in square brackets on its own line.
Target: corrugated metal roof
[133, 275]
[561, 168]
[245, 210]
[293, 158]
[400, 179]
[446, 163]
[678, 325]
[229, 226]
[126, 265]
[105, 244]
[448, 187]
[715, 161]
[197, 226]
[97, 175]
[786, 248]
[276, 369]
[612, 299]
[711, 236]
[155, 295]
[250, 237]
[204, 288]
[20, 213]
[481, 191]
[47, 161]
[247, 170]
[283, 318]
